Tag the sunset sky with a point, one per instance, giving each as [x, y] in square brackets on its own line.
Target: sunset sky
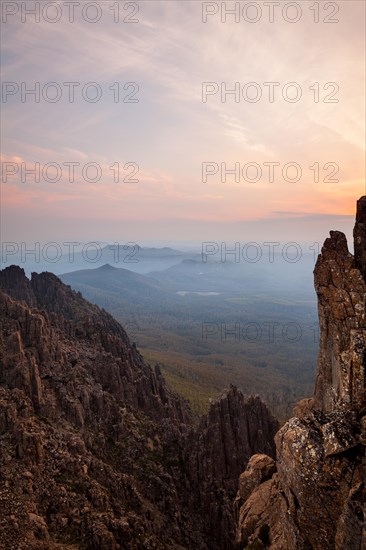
[170, 131]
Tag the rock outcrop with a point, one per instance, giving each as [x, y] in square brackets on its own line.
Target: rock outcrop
[219, 449]
[97, 452]
[316, 497]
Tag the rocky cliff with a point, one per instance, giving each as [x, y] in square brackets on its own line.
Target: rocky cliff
[218, 449]
[96, 451]
[314, 496]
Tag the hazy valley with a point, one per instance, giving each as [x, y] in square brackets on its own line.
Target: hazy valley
[209, 320]
[211, 323]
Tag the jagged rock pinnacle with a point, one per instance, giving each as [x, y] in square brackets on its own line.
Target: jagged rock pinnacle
[317, 497]
[341, 289]
[359, 235]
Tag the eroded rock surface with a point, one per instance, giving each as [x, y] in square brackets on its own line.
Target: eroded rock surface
[316, 500]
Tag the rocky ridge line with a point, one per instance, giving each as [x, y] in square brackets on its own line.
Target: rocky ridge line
[97, 452]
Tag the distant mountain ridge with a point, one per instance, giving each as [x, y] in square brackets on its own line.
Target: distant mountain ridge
[93, 255]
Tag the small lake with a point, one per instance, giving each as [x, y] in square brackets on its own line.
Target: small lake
[187, 292]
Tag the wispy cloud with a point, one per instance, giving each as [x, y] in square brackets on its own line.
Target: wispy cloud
[170, 132]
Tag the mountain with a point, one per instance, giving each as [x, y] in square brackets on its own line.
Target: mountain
[314, 495]
[129, 286]
[144, 259]
[97, 452]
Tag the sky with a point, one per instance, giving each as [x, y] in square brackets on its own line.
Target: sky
[172, 131]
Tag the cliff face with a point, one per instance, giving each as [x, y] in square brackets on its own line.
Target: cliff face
[316, 497]
[340, 286]
[96, 451]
